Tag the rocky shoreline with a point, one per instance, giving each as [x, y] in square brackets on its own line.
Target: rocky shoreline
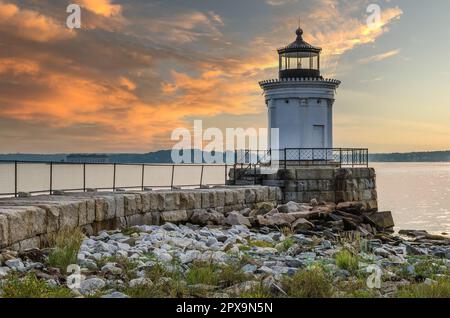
[292, 250]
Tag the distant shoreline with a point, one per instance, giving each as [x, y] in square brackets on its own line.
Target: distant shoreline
[164, 156]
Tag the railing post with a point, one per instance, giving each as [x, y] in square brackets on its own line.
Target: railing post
[143, 176]
[353, 158]
[226, 174]
[51, 178]
[15, 179]
[285, 159]
[173, 173]
[114, 177]
[84, 177]
[340, 157]
[201, 176]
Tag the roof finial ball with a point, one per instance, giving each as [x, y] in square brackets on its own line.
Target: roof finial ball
[299, 33]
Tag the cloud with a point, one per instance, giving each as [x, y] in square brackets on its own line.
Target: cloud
[124, 83]
[279, 2]
[102, 7]
[379, 57]
[30, 24]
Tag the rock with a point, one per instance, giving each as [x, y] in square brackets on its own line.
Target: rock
[265, 270]
[15, 264]
[246, 212]
[88, 263]
[111, 268]
[115, 294]
[140, 282]
[4, 271]
[170, 227]
[396, 259]
[350, 207]
[205, 217]
[91, 285]
[249, 268]
[262, 209]
[302, 224]
[190, 256]
[235, 218]
[293, 207]
[314, 202]
[278, 220]
[381, 252]
[381, 220]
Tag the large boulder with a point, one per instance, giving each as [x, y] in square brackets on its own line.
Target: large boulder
[381, 220]
[234, 218]
[206, 217]
[276, 220]
[302, 225]
[262, 208]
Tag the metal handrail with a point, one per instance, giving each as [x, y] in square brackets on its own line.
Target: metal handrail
[114, 186]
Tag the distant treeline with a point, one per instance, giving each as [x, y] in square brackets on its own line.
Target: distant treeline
[164, 156]
[432, 156]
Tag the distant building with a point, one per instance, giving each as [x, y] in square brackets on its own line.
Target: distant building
[87, 158]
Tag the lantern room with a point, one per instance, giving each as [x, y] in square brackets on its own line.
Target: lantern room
[299, 59]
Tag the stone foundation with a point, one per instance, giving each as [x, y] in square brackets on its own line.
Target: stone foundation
[32, 222]
[328, 184]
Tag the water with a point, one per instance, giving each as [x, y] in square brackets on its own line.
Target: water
[418, 194]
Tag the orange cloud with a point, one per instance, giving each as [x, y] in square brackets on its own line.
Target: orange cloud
[379, 57]
[102, 7]
[30, 24]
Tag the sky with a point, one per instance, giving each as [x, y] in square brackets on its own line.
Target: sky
[138, 69]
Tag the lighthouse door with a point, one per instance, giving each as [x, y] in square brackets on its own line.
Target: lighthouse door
[319, 136]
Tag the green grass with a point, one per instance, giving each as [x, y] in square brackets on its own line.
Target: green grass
[259, 243]
[202, 273]
[127, 265]
[30, 286]
[230, 275]
[440, 289]
[257, 292]
[287, 244]
[345, 259]
[67, 244]
[309, 283]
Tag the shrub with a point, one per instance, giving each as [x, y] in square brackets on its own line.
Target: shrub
[309, 283]
[30, 286]
[230, 275]
[439, 289]
[347, 260]
[286, 244]
[202, 273]
[67, 244]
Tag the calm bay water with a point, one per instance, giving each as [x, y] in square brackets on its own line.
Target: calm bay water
[418, 194]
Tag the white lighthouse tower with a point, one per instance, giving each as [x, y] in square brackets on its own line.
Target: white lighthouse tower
[300, 101]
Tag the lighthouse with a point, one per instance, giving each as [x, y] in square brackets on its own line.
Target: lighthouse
[300, 102]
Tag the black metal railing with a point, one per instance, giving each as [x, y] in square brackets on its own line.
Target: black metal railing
[341, 157]
[36, 177]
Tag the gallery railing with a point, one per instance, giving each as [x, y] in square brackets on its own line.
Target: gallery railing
[340, 157]
[17, 177]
